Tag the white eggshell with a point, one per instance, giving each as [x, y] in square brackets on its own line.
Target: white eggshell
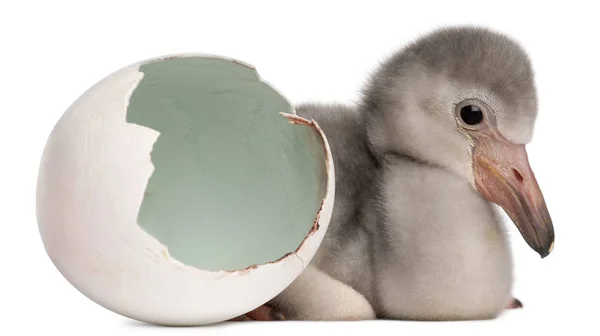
[93, 175]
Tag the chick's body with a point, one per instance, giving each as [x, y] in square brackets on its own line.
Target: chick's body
[391, 243]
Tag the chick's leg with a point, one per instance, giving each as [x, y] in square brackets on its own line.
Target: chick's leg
[316, 296]
[514, 304]
[262, 313]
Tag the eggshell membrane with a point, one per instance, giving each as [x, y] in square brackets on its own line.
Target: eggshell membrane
[89, 225]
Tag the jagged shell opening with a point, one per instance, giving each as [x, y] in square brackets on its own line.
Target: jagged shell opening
[234, 183]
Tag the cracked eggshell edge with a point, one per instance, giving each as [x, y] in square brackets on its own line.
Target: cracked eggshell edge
[87, 218]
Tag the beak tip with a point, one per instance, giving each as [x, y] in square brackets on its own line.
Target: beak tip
[545, 252]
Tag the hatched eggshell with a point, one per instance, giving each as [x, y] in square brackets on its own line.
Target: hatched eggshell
[98, 168]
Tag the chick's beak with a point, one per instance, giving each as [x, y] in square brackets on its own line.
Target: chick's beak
[503, 176]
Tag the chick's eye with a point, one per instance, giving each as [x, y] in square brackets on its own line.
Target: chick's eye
[471, 114]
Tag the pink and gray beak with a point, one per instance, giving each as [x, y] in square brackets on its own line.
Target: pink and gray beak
[503, 176]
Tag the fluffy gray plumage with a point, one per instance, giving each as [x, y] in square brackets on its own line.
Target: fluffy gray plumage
[410, 236]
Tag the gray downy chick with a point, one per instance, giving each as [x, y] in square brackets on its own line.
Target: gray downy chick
[437, 141]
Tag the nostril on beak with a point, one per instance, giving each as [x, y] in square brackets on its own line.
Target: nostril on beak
[518, 175]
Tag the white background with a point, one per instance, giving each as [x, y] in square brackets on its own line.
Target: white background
[52, 51]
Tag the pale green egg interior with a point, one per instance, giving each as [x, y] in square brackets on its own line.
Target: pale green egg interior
[234, 183]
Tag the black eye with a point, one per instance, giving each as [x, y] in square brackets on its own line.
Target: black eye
[471, 115]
